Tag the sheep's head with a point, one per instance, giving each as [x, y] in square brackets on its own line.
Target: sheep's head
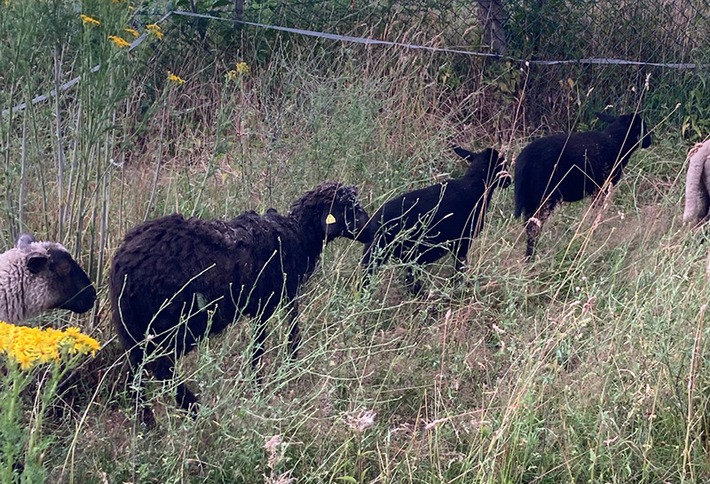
[337, 209]
[345, 217]
[488, 163]
[629, 127]
[54, 279]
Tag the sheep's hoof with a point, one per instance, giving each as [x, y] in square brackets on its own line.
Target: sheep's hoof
[414, 288]
[193, 409]
[535, 221]
[147, 418]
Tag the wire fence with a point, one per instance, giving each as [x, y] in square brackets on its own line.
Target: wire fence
[653, 31]
[606, 52]
[568, 49]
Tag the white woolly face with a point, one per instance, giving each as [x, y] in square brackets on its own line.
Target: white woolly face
[40, 276]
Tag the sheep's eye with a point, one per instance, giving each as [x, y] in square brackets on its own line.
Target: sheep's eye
[62, 267]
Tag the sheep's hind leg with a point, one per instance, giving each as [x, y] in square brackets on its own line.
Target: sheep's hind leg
[461, 253]
[533, 228]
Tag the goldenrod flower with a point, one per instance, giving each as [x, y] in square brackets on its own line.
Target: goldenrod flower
[33, 346]
[131, 31]
[174, 78]
[119, 41]
[155, 30]
[89, 20]
[242, 68]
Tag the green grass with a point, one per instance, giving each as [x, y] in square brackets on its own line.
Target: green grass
[584, 366]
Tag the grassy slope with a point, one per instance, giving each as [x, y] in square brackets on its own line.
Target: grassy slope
[575, 368]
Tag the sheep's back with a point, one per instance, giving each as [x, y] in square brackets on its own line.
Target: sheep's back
[563, 167]
[434, 214]
[233, 266]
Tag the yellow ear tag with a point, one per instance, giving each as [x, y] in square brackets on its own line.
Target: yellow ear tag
[330, 219]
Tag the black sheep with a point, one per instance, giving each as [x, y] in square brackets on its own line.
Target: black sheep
[569, 167]
[176, 280]
[423, 225]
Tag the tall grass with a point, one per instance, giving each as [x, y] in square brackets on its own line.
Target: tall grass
[586, 365]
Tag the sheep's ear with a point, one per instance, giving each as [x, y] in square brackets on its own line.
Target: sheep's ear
[494, 156]
[24, 240]
[332, 226]
[463, 153]
[607, 118]
[36, 263]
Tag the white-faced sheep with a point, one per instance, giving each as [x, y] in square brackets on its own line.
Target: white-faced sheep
[423, 225]
[36, 277]
[697, 185]
[569, 167]
[175, 280]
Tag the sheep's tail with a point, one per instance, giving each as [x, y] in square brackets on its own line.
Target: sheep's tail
[521, 187]
[521, 198]
[519, 206]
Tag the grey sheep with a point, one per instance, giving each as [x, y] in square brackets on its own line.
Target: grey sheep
[697, 185]
[174, 280]
[36, 277]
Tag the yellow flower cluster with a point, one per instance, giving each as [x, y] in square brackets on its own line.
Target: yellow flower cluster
[33, 346]
[175, 78]
[119, 41]
[89, 20]
[155, 30]
[242, 69]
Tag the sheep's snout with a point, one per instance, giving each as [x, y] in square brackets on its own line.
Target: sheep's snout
[82, 301]
[504, 178]
[72, 285]
[355, 223]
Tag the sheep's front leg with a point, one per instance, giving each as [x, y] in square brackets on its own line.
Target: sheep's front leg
[533, 227]
[163, 369]
[462, 254]
[259, 341]
[294, 335]
[294, 338]
[602, 196]
[137, 394]
[368, 264]
[412, 282]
